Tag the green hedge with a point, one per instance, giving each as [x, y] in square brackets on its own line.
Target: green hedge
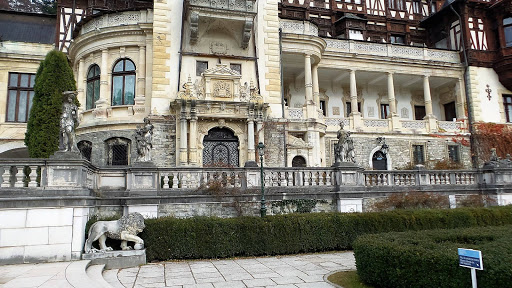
[430, 258]
[202, 237]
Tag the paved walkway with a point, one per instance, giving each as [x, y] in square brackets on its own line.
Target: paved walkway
[307, 270]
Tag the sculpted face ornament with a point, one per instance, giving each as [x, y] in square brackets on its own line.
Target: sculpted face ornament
[124, 229]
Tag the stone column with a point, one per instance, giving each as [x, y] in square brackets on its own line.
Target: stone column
[183, 136]
[141, 79]
[250, 140]
[81, 83]
[431, 119]
[316, 87]
[193, 140]
[460, 99]
[354, 113]
[427, 96]
[395, 119]
[308, 80]
[103, 103]
[391, 94]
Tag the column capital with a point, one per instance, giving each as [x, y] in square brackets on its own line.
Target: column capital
[390, 73]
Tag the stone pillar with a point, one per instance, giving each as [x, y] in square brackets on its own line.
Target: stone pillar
[81, 83]
[427, 96]
[308, 80]
[259, 126]
[316, 87]
[141, 85]
[460, 99]
[250, 140]
[193, 140]
[103, 102]
[355, 114]
[431, 119]
[391, 94]
[395, 119]
[183, 136]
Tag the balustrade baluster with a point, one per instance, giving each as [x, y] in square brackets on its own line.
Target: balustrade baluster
[19, 177]
[289, 178]
[174, 180]
[282, 177]
[32, 177]
[306, 178]
[6, 177]
[328, 178]
[167, 179]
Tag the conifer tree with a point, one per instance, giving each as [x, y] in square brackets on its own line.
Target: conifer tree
[53, 77]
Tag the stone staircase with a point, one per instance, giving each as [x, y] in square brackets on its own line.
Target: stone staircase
[82, 274]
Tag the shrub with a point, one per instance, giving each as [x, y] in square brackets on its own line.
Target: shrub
[411, 200]
[202, 237]
[53, 77]
[429, 258]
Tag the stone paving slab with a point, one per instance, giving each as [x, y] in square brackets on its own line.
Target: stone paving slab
[293, 271]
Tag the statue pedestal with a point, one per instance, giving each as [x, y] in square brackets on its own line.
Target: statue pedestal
[67, 155]
[117, 259]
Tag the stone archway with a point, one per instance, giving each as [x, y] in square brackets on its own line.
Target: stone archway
[379, 161]
[220, 148]
[298, 161]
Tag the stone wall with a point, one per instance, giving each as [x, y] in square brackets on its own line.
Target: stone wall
[42, 234]
[400, 150]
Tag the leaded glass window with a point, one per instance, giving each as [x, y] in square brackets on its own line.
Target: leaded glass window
[19, 96]
[123, 83]
[93, 87]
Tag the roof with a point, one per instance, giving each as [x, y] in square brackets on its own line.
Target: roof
[27, 27]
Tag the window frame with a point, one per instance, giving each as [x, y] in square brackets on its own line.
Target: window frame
[231, 65]
[18, 88]
[416, 7]
[94, 79]
[198, 72]
[416, 153]
[124, 73]
[454, 153]
[384, 111]
[507, 104]
[507, 27]
[394, 37]
[397, 5]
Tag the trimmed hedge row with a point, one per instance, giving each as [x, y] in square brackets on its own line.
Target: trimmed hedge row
[202, 237]
[430, 258]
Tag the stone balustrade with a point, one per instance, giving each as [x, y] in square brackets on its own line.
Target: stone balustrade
[79, 174]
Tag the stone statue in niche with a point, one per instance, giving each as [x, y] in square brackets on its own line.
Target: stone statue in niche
[124, 229]
[344, 149]
[68, 123]
[144, 140]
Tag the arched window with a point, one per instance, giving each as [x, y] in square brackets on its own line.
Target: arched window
[118, 151]
[93, 87]
[123, 83]
[85, 148]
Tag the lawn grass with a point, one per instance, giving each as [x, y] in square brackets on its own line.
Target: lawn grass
[347, 279]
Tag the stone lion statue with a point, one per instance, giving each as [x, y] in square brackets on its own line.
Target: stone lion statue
[124, 229]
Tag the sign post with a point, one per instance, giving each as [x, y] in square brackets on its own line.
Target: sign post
[471, 259]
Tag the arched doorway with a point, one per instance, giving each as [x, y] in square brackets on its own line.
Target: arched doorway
[220, 148]
[379, 161]
[298, 161]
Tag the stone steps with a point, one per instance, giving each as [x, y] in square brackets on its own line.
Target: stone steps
[82, 274]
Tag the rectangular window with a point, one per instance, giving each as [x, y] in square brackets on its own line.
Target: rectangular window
[416, 7]
[384, 111]
[355, 34]
[453, 153]
[507, 105]
[419, 112]
[397, 39]
[396, 4]
[348, 105]
[236, 67]
[201, 66]
[19, 96]
[323, 107]
[418, 154]
[507, 31]
[449, 111]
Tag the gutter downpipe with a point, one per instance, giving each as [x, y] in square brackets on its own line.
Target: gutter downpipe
[474, 154]
[282, 93]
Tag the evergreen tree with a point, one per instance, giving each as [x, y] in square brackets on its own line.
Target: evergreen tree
[53, 77]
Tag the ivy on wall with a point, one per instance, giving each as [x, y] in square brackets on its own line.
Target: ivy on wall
[295, 205]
